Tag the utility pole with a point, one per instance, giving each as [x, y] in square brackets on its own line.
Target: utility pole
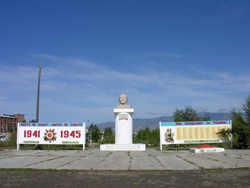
[37, 146]
[38, 93]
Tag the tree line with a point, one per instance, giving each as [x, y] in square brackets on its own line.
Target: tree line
[240, 127]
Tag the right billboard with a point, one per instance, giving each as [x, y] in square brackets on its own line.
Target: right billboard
[192, 132]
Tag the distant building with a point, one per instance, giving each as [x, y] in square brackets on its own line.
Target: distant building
[8, 123]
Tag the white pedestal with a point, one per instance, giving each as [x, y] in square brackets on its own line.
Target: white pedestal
[124, 126]
[123, 147]
[206, 150]
[123, 133]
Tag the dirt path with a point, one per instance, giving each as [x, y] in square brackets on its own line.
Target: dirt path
[197, 178]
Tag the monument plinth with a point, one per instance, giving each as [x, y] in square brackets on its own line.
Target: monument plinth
[124, 126]
[123, 129]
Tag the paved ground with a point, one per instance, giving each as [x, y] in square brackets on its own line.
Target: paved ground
[94, 159]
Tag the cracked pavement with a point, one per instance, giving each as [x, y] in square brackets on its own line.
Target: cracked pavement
[94, 159]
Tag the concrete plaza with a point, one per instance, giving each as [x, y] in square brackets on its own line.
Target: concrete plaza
[94, 159]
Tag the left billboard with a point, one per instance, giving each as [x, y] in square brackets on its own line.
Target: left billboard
[51, 133]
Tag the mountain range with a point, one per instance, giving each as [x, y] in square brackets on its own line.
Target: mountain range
[153, 123]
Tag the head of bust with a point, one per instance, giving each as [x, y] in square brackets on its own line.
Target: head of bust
[123, 99]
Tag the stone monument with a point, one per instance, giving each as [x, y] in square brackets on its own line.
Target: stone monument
[123, 121]
[123, 99]
[123, 129]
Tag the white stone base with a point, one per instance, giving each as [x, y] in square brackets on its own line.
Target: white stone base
[123, 147]
[206, 150]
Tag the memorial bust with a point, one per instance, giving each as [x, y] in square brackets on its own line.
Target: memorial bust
[123, 99]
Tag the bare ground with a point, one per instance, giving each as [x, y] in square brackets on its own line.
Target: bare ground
[62, 178]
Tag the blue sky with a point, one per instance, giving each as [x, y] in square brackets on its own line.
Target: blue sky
[162, 54]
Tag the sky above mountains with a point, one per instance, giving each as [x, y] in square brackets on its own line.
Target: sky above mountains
[162, 54]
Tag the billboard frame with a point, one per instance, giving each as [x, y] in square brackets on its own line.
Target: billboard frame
[189, 124]
[47, 133]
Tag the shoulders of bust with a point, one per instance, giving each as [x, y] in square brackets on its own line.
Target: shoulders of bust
[123, 106]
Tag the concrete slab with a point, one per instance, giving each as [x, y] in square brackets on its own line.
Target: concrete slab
[119, 153]
[245, 157]
[157, 152]
[93, 158]
[238, 151]
[58, 153]
[237, 156]
[114, 163]
[28, 152]
[4, 152]
[87, 163]
[22, 161]
[99, 153]
[54, 163]
[154, 152]
[172, 162]
[145, 163]
[204, 162]
[137, 154]
[51, 152]
[7, 156]
[233, 162]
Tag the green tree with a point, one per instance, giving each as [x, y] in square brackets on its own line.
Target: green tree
[109, 136]
[107, 132]
[189, 114]
[94, 132]
[246, 108]
[140, 135]
[155, 137]
[12, 140]
[148, 137]
[110, 139]
[10, 129]
[240, 126]
[205, 118]
[147, 134]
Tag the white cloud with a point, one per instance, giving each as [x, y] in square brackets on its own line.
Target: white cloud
[166, 55]
[72, 89]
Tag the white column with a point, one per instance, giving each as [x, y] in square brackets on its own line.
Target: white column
[124, 126]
